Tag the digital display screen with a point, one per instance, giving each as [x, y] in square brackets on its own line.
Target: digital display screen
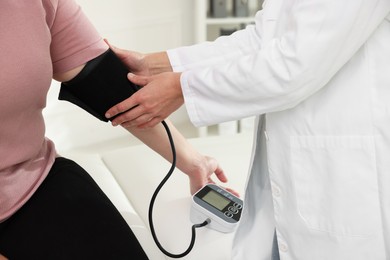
[216, 200]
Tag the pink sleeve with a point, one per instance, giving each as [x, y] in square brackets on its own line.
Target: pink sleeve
[75, 41]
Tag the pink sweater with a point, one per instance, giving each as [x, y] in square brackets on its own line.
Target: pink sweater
[37, 38]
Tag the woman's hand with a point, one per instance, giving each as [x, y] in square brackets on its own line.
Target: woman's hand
[199, 168]
[3, 257]
[203, 172]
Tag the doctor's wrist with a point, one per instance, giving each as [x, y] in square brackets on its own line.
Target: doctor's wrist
[158, 62]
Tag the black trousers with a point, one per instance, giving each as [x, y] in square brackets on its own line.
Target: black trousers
[68, 217]
[275, 248]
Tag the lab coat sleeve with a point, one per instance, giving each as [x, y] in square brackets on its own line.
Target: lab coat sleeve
[312, 41]
[222, 49]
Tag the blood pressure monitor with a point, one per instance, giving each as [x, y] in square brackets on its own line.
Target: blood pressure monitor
[221, 207]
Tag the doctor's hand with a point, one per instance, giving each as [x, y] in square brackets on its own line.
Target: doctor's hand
[143, 64]
[159, 96]
[136, 62]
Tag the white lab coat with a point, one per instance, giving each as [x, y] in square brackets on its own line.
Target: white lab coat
[318, 75]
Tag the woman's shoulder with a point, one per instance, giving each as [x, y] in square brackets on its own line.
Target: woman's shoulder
[53, 8]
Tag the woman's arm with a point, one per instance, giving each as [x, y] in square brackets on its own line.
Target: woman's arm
[198, 167]
[68, 75]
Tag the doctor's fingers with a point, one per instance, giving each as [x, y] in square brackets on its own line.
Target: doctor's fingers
[130, 117]
[129, 103]
[144, 121]
[121, 53]
[139, 80]
[116, 112]
[132, 59]
[144, 111]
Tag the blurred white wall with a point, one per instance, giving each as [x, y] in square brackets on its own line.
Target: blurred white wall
[144, 25]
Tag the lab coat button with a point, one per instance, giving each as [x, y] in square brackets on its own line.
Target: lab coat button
[266, 136]
[275, 191]
[283, 247]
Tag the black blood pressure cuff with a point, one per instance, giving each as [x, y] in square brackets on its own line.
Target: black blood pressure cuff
[100, 85]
